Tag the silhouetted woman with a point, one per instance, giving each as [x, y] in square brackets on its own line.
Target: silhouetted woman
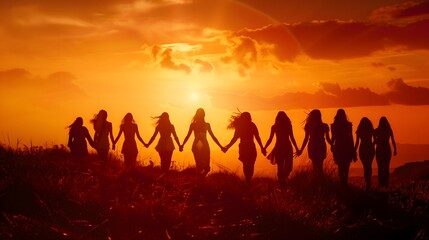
[246, 130]
[103, 130]
[383, 153]
[282, 153]
[129, 147]
[315, 133]
[78, 134]
[200, 146]
[165, 144]
[342, 145]
[365, 142]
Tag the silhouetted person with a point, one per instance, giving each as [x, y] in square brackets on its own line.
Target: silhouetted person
[103, 130]
[200, 146]
[129, 147]
[342, 145]
[365, 142]
[315, 133]
[383, 153]
[282, 153]
[165, 144]
[245, 130]
[78, 134]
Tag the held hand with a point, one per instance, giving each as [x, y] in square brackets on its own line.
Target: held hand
[264, 151]
[113, 147]
[181, 148]
[224, 149]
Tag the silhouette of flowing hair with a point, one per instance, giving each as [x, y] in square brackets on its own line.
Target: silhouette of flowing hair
[162, 120]
[340, 117]
[99, 120]
[77, 123]
[313, 118]
[384, 125]
[199, 116]
[239, 120]
[365, 125]
[282, 120]
[128, 119]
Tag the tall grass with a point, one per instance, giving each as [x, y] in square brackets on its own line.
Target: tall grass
[45, 194]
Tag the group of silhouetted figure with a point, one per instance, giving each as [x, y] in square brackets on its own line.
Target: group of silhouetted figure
[369, 142]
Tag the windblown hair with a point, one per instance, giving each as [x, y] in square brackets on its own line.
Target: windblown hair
[99, 120]
[162, 120]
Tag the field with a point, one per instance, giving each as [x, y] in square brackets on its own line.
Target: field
[44, 194]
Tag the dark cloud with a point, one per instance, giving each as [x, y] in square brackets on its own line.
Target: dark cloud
[167, 62]
[402, 93]
[285, 47]
[329, 96]
[204, 67]
[341, 40]
[408, 9]
[244, 52]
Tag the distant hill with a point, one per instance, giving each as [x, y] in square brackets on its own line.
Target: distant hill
[412, 171]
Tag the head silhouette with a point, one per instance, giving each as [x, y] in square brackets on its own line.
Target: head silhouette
[384, 124]
[365, 125]
[128, 119]
[102, 115]
[340, 116]
[99, 120]
[282, 119]
[315, 116]
[199, 115]
[163, 119]
[78, 122]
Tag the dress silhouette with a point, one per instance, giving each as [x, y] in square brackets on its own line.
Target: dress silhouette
[200, 146]
[282, 153]
[129, 147]
[315, 133]
[365, 143]
[165, 144]
[342, 145]
[103, 131]
[383, 153]
[78, 134]
[245, 130]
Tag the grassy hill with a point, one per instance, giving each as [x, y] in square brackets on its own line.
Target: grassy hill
[46, 195]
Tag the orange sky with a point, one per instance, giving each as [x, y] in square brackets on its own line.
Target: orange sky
[63, 59]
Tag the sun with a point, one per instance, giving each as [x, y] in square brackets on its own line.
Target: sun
[194, 96]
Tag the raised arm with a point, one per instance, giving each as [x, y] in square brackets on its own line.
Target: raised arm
[270, 138]
[209, 129]
[139, 137]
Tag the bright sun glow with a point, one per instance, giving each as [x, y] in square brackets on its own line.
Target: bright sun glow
[194, 96]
